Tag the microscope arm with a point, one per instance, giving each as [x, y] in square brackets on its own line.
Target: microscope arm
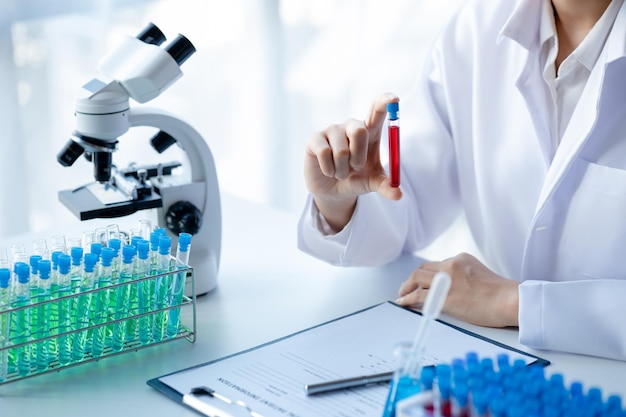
[203, 191]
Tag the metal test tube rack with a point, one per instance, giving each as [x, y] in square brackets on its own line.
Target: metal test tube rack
[184, 331]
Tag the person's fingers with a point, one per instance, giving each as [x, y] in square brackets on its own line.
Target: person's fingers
[358, 143]
[382, 184]
[377, 115]
[338, 141]
[417, 297]
[319, 147]
[420, 278]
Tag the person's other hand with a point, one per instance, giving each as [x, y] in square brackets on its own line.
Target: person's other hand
[477, 295]
[343, 161]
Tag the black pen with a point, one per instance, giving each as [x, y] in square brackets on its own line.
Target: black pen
[355, 381]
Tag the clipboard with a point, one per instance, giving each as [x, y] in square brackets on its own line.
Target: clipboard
[268, 380]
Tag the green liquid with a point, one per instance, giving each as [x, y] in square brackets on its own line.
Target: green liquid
[133, 309]
[53, 322]
[21, 332]
[64, 340]
[42, 355]
[145, 301]
[5, 322]
[121, 312]
[100, 316]
[178, 288]
[81, 321]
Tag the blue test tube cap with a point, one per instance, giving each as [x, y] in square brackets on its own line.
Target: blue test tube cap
[134, 240]
[107, 256]
[55, 259]
[614, 403]
[5, 277]
[64, 263]
[96, 247]
[23, 272]
[154, 240]
[143, 248]
[184, 240]
[165, 244]
[115, 243]
[427, 377]
[34, 263]
[91, 259]
[44, 268]
[76, 253]
[128, 254]
[393, 109]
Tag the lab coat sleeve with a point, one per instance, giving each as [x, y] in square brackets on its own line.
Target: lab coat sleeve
[578, 316]
[356, 245]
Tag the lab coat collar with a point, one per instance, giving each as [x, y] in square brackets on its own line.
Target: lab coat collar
[616, 43]
[527, 14]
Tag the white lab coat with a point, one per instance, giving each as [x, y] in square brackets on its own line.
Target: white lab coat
[554, 218]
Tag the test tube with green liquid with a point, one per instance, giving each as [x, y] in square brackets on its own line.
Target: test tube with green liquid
[163, 288]
[64, 340]
[53, 319]
[133, 295]
[101, 306]
[5, 305]
[122, 295]
[83, 305]
[178, 283]
[42, 329]
[145, 292]
[20, 318]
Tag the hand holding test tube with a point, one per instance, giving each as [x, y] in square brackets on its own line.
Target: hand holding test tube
[343, 162]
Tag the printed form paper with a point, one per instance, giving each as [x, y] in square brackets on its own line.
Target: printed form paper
[270, 379]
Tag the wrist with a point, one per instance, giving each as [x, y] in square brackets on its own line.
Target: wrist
[510, 305]
[337, 213]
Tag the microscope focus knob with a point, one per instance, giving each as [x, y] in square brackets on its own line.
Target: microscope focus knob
[183, 217]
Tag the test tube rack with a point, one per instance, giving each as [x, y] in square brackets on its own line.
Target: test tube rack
[184, 331]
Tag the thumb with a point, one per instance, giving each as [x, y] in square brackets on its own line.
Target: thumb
[381, 183]
[378, 114]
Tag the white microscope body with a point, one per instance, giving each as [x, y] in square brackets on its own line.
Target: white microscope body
[141, 70]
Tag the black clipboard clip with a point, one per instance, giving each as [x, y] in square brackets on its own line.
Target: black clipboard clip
[200, 399]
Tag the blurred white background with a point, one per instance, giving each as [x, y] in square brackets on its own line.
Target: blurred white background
[266, 74]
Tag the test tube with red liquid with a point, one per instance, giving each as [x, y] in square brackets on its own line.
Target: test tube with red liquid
[394, 143]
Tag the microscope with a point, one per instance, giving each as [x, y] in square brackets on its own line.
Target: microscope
[141, 69]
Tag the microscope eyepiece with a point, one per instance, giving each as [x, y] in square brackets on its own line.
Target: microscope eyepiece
[180, 49]
[70, 153]
[151, 34]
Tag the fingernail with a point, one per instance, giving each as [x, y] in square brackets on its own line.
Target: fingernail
[399, 300]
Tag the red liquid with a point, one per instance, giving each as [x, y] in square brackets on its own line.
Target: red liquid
[394, 154]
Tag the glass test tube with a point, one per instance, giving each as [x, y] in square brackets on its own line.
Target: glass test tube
[122, 297]
[162, 287]
[178, 284]
[101, 307]
[145, 292]
[5, 305]
[20, 319]
[394, 143]
[42, 323]
[64, 340]
[83, 307]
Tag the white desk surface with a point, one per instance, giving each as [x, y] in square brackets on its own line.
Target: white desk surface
[267, 289]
